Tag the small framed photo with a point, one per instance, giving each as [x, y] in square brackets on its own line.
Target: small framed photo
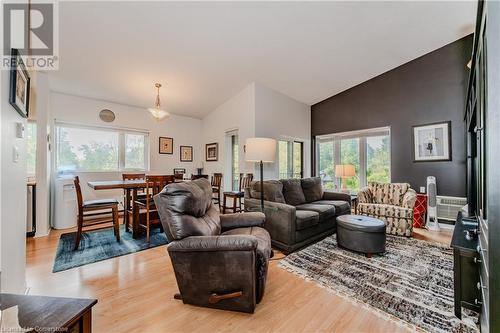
[432, 142]
[211, 152]
[19, 96]
[186, 153]
[179, 171]
[166, 145]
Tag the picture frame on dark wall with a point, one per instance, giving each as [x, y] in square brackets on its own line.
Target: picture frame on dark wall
[19, 95]
[166, 145]
[212, 152]
[186, 154]
[432, 142]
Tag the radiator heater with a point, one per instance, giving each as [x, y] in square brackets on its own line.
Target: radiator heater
[432, 220]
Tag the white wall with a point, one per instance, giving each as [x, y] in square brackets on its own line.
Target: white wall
[257, 111]
[278, 116]
[184, 131]
[237, 113]
[40, 112]
[13, 196]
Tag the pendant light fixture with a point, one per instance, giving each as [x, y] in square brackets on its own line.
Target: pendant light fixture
[157, 112]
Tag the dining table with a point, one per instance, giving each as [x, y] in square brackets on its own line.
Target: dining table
[128, 186]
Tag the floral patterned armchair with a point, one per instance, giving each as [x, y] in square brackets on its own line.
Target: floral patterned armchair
[392, 203]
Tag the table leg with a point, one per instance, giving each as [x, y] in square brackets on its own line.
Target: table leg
[127, 209]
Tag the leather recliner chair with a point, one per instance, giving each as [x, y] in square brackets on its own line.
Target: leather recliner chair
[220, 261]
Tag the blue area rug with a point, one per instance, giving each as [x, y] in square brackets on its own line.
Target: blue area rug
[100, 245]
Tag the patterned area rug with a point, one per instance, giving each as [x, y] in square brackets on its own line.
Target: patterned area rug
[412, 281]
[100, 245]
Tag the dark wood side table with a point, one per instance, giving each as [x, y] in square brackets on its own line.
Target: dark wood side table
[47, 314]
[465, 268]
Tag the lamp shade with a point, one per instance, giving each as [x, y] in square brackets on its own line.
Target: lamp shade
[260, 149]
[345, 171]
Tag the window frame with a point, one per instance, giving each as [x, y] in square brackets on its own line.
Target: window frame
[122, 132]
[362, 135]
[290, 157]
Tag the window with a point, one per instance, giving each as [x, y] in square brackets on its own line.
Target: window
[135, 151]
[95, 149]
[31, 148]
[368, 151]
[290, 159]
[234, 162]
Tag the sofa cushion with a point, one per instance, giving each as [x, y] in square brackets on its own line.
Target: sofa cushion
[384, 210]
[273, 190]
[341, 207]
[306, 219]
[325, 211]
[312, 188]
[388, 193]
[292, 191]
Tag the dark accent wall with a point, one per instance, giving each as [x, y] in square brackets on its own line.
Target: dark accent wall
[429, 89]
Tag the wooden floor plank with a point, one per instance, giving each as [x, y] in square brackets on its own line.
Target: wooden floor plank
[135, 294]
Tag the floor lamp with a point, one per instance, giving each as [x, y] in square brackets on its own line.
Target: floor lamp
[261, 150]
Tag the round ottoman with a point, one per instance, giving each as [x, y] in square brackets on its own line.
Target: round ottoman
[361, 234]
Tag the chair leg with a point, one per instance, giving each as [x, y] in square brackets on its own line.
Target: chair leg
[78, 232]
[235, 201]
[223, 205]
[218, 198]
[147, 223]
[116, 223]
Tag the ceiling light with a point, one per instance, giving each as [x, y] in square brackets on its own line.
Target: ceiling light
[157, 112]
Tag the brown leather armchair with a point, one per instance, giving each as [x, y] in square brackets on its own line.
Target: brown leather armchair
[220, 261]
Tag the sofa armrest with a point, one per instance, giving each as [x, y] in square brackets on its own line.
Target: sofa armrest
[328, 195]
[409, 199]
[364, 195]
[242, 220]
[214, 244]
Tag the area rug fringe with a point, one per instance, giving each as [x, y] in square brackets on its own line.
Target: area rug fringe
[377, 312]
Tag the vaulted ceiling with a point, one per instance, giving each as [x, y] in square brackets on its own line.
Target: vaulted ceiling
[203, 53]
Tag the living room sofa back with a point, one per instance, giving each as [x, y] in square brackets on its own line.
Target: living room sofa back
[298, 211]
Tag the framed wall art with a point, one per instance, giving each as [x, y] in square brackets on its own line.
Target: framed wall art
[186, 154]
[19, 96]
[166, 145]
[211, 152]
[432, 142]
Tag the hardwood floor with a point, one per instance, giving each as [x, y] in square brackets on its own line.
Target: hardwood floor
[135, 294]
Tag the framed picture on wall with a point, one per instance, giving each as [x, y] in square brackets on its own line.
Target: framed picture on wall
[211, 152]
[166, 145]
[186, 153]
[19, 96]
[179, 171]
[432, 142]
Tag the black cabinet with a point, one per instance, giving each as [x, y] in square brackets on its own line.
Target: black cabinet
[467, 290]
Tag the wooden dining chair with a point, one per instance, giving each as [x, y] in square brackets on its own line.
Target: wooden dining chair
[244, 182]
[216, 185]
[128, 198]
[146, 206]
[94, 212]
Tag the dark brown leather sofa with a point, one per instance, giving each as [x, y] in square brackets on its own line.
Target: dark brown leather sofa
[220, 261]
[298, 211]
